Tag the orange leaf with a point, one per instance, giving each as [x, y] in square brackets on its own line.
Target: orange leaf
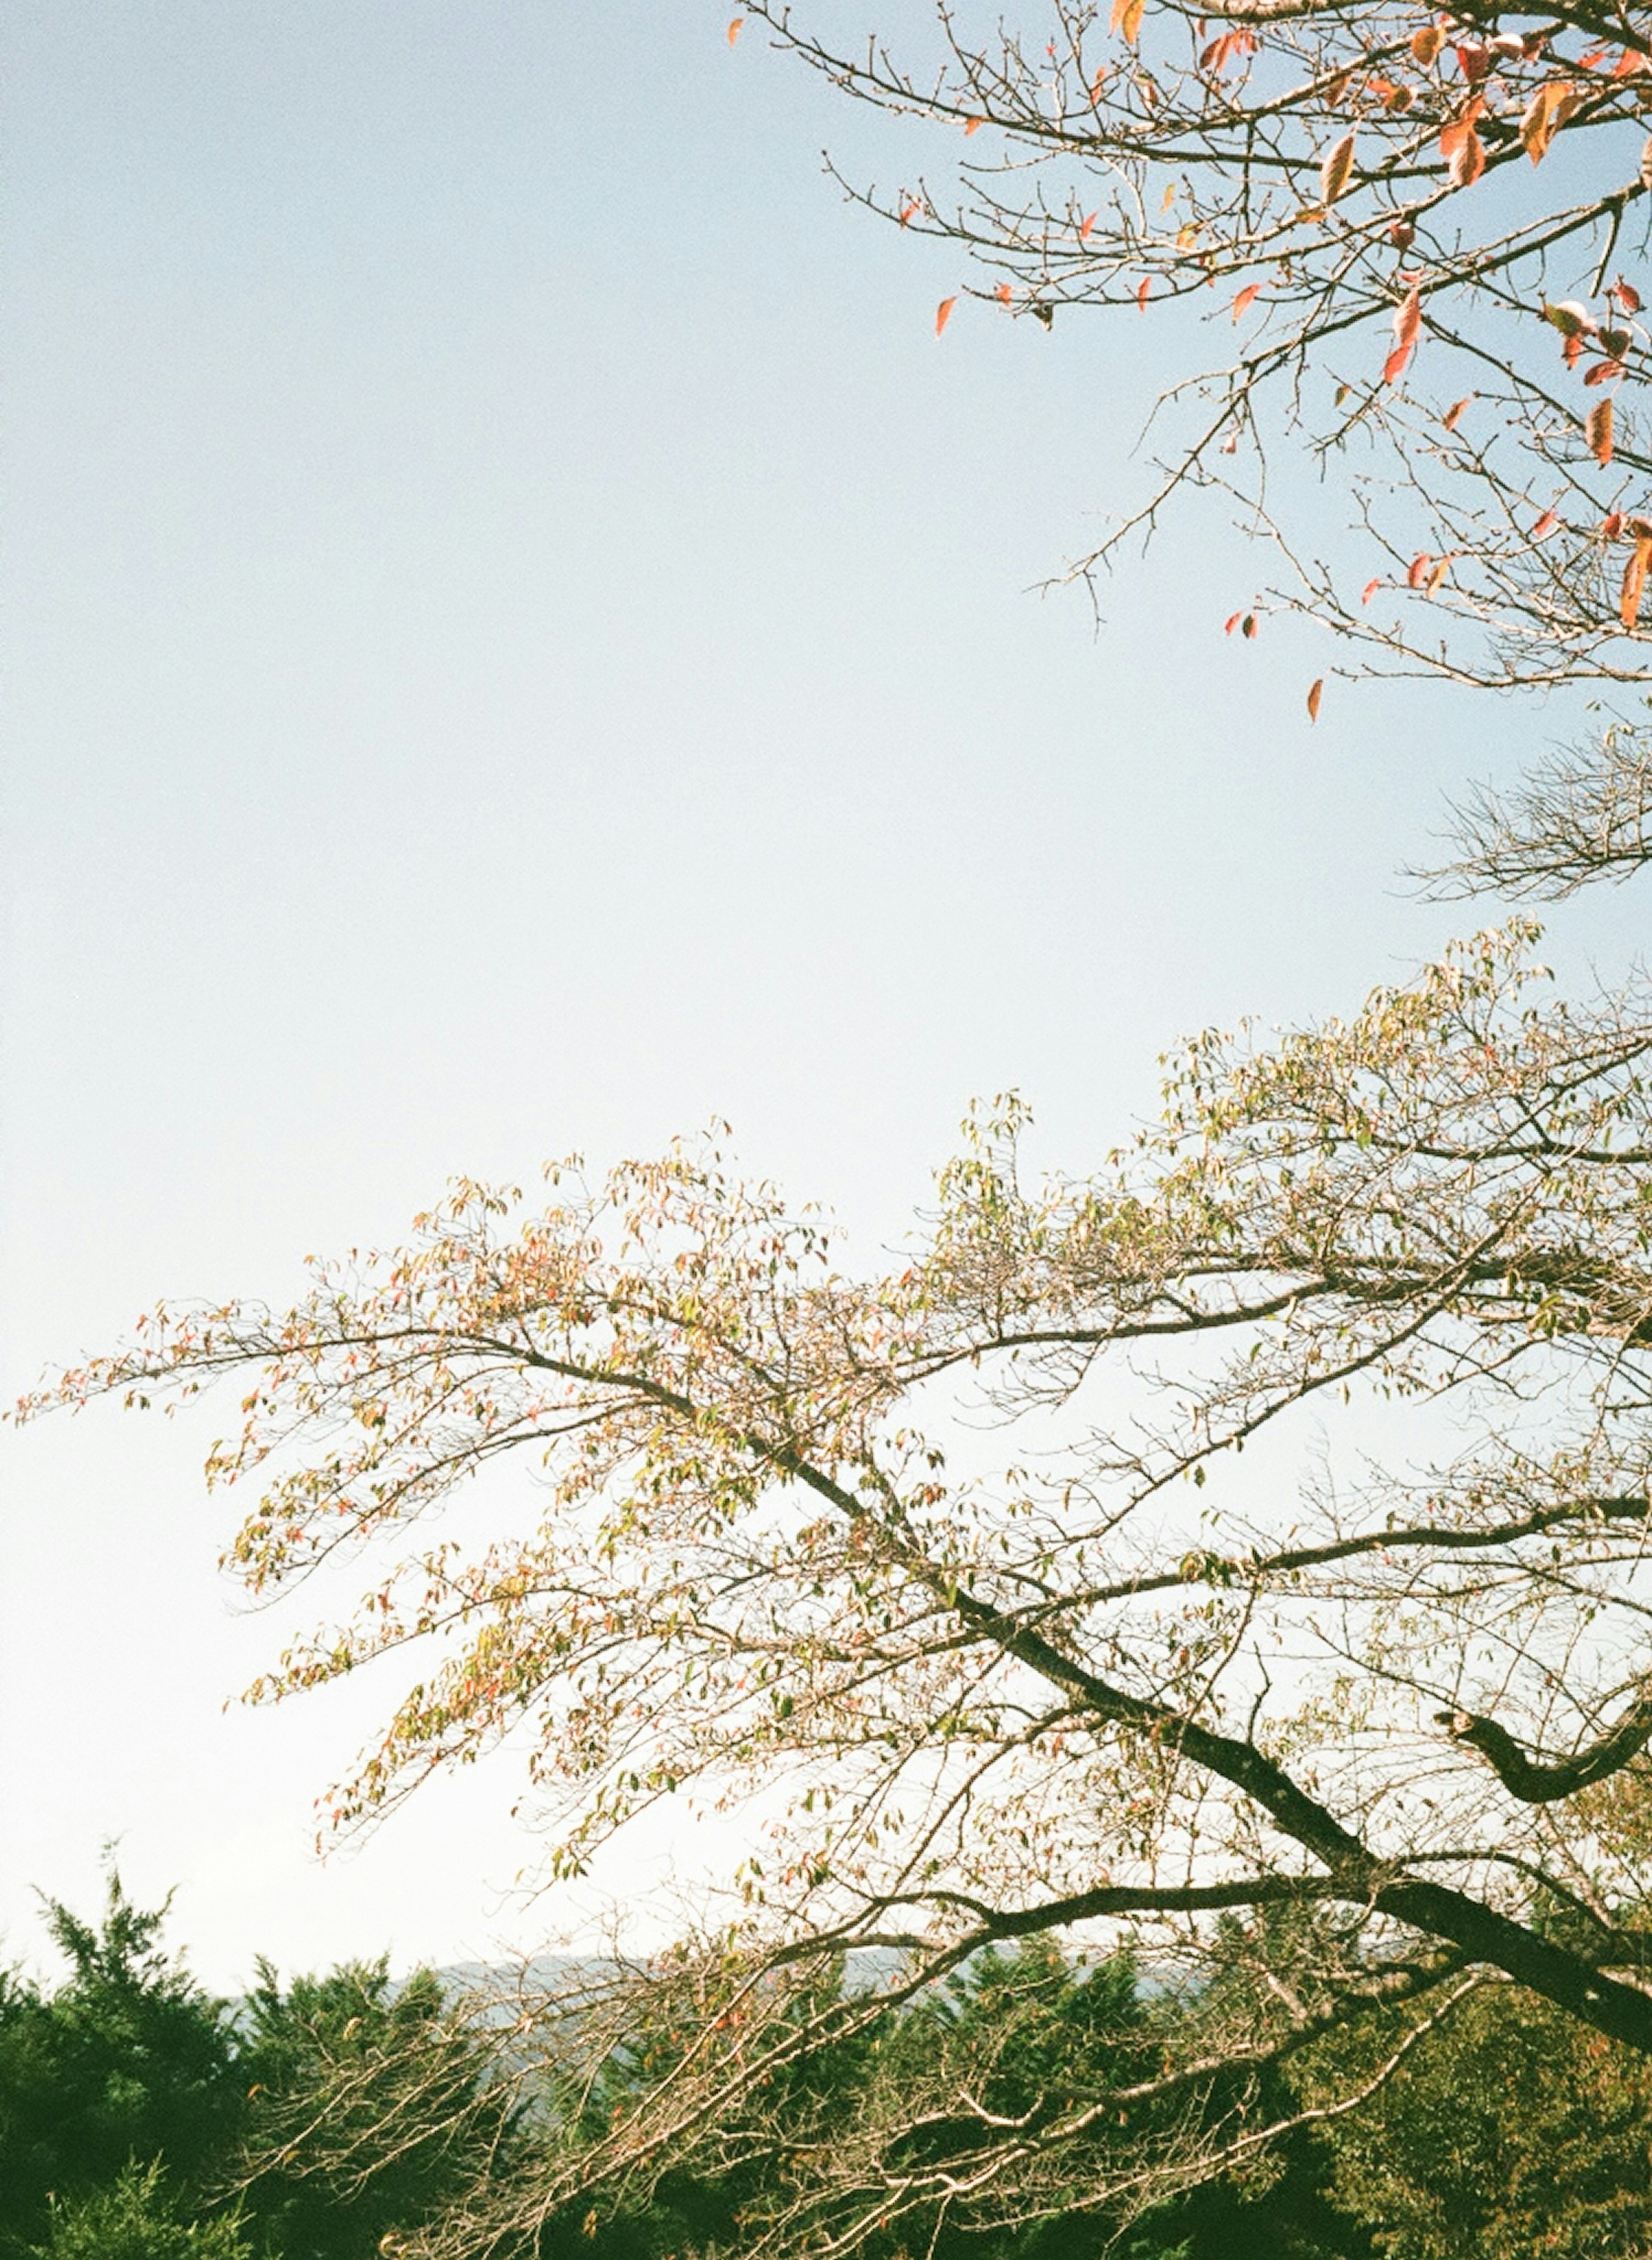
[1127, 17]
[1594, 56]
[1316, 691]
[1545, 527]
[1544, 115]
[943, 314]
[1245, 299]
[972, 125]
[1427, 43]
[1597, 432]
[1144, 288]
[1370, 590]
[1337, 169]
[1407, 324]
[1613, 527]
[1232, 622]
[1436, 576]
[1004, 293]
[1453, 416]
[1085, 224]
[907, 211]
[733, 29]
[1469, 164]
[1417, 571]
[1634, 582]
[1454, 135]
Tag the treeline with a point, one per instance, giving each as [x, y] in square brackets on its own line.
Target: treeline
[335, 2117]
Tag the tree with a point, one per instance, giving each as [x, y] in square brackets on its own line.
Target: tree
[1513, 2132]
[128, 2061]
[1151, 1665]
[134, 2219]
[1347, 193]
[368, 2109]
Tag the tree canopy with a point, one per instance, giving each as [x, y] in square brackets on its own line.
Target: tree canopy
[1051, 1577]
[1392, 206]
[1415, 241]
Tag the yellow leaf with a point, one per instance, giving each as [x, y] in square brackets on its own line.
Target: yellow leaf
[1337, 170]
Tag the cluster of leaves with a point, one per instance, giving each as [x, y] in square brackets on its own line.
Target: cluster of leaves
[143, 2119]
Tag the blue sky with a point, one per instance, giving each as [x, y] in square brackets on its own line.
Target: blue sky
[519, 637]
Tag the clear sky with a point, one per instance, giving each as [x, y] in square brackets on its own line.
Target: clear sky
[518, 636]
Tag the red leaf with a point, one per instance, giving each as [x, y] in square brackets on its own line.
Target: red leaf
[1417, 571]
[943, 314]
[1085, 224]
[1626, 295]
[1245, 299]
[1604, 372]
[1142, 290]
[1474, 63]
[1595, 55]
[1545, 527]
[1316, 691]
[1613, 527]
[1232, 622]
[1370, 590]
[907, 211]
